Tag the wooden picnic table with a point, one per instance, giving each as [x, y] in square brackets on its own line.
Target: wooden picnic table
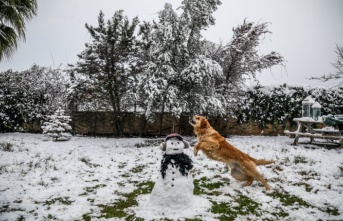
[305, 129]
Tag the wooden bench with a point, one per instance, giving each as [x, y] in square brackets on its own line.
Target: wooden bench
[306, 124]
[316, 135]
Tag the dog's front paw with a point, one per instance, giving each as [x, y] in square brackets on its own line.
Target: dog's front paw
[196, 150]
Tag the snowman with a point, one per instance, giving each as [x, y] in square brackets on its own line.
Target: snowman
[174, 186]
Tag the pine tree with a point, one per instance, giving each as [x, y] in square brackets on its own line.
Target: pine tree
[106, 66]
[165, 52]
[57, 127]
[200, 94]
[196, 81]
[174, 57]
[241, 60]
[197, 16]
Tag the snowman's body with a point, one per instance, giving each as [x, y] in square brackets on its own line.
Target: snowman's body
[174, 187]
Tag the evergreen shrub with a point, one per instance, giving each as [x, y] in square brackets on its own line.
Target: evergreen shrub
[278, 104]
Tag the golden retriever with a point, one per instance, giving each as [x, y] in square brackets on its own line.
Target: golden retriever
[216, 147]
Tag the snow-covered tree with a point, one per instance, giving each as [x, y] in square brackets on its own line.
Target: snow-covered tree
[240, 58]
[58, 126]
[29, 96]
[11, 101]
[45, 89]
[338, 65]
[165, 52]
[277, 104]
[174, 59]
[200, 94]
[169, 67]
[197, 16]
[105, 66]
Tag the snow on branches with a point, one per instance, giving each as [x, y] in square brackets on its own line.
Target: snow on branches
[240, 58]
[30, 95]
[278, 104]
[57, 127]
[338, 65]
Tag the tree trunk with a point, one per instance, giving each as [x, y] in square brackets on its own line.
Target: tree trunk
[144, 125]
[160, 124]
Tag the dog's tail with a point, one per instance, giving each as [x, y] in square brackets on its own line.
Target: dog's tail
[263, 162]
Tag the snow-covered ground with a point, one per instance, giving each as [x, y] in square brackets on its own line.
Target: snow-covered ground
[106, 178]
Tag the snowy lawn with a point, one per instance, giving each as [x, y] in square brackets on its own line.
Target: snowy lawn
[106, 178]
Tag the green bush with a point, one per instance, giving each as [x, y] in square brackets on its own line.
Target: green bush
[275, 105]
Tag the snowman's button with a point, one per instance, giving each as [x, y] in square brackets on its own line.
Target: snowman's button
[172, 185]
[173, 172]
[173, 179]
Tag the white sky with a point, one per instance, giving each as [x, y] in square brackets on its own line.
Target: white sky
[305, 32]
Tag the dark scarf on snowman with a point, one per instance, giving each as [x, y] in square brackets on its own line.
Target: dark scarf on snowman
[181, 161]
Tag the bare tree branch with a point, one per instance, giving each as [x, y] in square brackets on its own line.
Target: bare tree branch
[338, 65]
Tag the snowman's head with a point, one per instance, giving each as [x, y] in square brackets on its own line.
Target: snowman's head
[174, 144]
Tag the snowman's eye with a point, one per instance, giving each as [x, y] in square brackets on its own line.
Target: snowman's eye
[172, 143]
[178, 142]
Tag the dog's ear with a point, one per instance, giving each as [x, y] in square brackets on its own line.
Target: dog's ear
[163, 146]
[186, 144]
[203, 122]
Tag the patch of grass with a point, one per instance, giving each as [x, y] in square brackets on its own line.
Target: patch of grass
[62, 200]
[242, 205]
[137, 169]
[202, 185]
[50, 217]
[126, 175]
[86, 217]
[132, 217]
[93, 188]
[300, 159]
[88, 162]
[195, 219]
[7, 147]
[42, 183]
[118, 209]
[289, 200]
[122, 165]
[3, 169]
[88, 181]
[8, 209]
[277, 168]
[286, 161]
[20, 218]
[284, 150]
[330, 210]
[279, 214]
[54, 179]
[90, 200]
[308, 187]
[307, 175]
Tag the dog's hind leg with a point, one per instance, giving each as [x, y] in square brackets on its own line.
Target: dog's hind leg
[248, 182]
[251, 170]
